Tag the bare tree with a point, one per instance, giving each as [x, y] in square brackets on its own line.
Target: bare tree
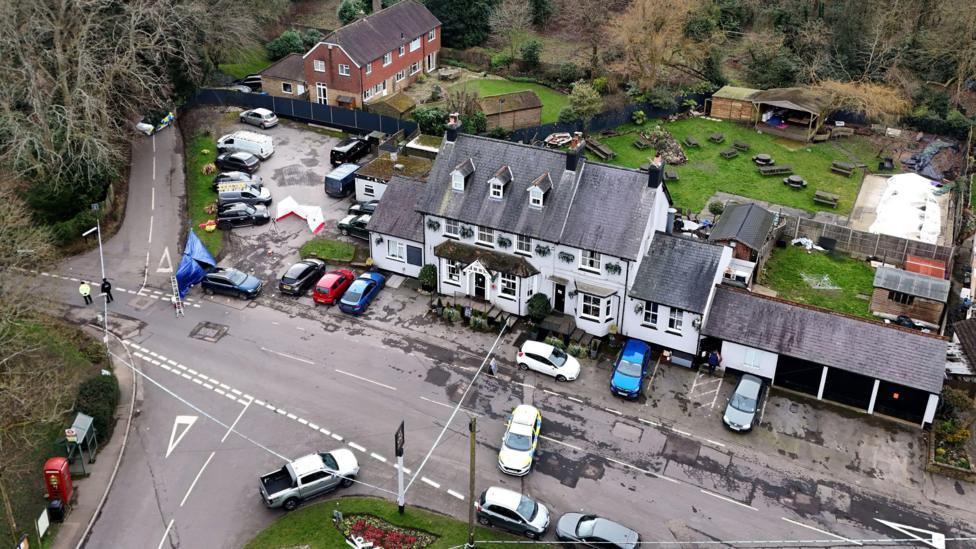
[951, 36]
[875, 101]
[583, 21]
[511, 18]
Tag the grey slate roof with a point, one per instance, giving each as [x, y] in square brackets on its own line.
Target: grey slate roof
[852, 344]
[677, 272]
[371, 37]
[289, 67]
[965, 330]
[490, 259]
[598, 207]
[919, 285]
[396, 215]
[746, 223]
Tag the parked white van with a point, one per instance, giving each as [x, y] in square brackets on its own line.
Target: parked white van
[258, 144]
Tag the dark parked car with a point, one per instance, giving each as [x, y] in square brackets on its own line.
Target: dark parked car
[236, 177]
[348, 150]
[241, 215]
[593, 531]
[360, 208]
[740, 414]
[231, 282]
[301, 276]
[229, 193]
[355, 225]
[238, 161]
[361, 292]
[252, 81]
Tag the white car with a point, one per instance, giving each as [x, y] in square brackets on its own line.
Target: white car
[549, 360]
[520, 440]
[263, 118]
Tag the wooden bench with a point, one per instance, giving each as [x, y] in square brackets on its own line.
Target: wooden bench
[829, 199]
[821, 137]
[841, 132]
[716, 138]
[642, 144]
[670, 175]
[741, 145]
[729, 153]
[775, 170]
[692, 142]
[842, 168]
[602, 151]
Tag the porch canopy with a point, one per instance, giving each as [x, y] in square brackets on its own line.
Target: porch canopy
[794, 113]
[490, 259]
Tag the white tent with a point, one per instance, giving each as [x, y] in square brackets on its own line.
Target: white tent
[311, 214]
[909, 209]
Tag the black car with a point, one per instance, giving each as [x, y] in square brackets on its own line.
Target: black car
[354, 225]
[241, 215]
[238, 161]
[236, 177]
[301, 276]
[231, 282]
[348, 150]
[360, 208]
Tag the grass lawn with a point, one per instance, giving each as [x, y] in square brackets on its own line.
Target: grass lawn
[311, 526]
[785, 268]
[706, 172]
[551, 99]
[328, 249]
[200, 151]
[247, 62]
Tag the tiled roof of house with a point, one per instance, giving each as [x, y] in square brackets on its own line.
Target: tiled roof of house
[598, 207]
[915, 284]
[872, 349]
[490, 259]
[289, 67]
[745, 223]
[371, 37]
[965, 330]
[678, 272]
[508, 102]
[396, 215]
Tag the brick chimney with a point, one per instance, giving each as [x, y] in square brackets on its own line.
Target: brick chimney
[575, 154]
[655, 172]
[453, 126]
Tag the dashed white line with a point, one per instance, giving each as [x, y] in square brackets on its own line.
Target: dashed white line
[716, 443]
[680, 432]
[649, 422]
[455, 494]
[730, 500]
[313, 426]
[366, 380]
[612, 411]
[548, 392]
[337, 437]
[426, 480]
[286, 355]
[824, 532]
[377, 457]
[355, 446]
[550, 439]
[574, 399]
[303, 421]
[291, 416]
[218, 391]
[196, 478]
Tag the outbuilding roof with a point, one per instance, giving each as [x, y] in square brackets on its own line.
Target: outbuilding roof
[746, 223]
[396, 215]
[797, 99]
[508, 102]
[880, 351]
[289, 67]
[915, 284]
[733, 92]
[369, 38]
[677, 272]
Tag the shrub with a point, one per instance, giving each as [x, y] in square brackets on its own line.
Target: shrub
[428, 276]
[601, 85]
[94, 352]
[501, 59]
[287, 42]
[539, 307]
[541, 11]
[477, 322]
[430, 119]
[498, 132]
[451, 314]
[70, 230]
[98, 397]
[955, 402]
[310, 38]
[555, 342]
[638, 117]
[716, 208]
[662, 98]
[436, 93]
[569, 73]
[349, 10]
[531, 51]
[689, 104]
[209, 168]
[475, 122]
[575, 349]
[567, 115]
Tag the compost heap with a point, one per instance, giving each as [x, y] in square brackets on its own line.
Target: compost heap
[666, 145]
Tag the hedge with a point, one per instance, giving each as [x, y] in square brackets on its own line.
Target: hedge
[98, 397]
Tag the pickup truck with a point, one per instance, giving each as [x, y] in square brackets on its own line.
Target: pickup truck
[307, 477]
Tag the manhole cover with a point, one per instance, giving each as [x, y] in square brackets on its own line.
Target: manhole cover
[627, 432]
[681, 448]
[140, 303]
[208, 331]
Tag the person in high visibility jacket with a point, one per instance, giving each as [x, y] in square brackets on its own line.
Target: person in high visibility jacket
[85, 290]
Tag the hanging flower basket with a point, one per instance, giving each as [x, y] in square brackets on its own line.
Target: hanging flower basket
[433, 224]
[613, 268]
[566, 257]
[542, 251]
[466, 232]
[504, 242]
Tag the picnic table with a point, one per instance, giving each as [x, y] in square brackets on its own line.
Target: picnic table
[730, 153]
[602, 151]
[763, 159]
[716, 137]
[795, 181]
[823, 197]
[670, 175]
[843, 168]
[776, 170]
[692, 142]
[642, 143]
[741, 145]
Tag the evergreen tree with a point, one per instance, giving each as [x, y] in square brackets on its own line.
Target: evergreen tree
[464, 23]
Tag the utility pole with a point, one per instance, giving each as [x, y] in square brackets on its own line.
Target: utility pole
[472, 429]
[398, 448]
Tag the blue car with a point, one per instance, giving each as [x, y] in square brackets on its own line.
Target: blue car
[361, 292]
[630, 369]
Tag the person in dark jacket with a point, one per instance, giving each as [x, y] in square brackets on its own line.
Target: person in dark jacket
[107, 290]
[714, 360]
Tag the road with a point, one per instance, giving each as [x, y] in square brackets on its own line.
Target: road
[232, 389]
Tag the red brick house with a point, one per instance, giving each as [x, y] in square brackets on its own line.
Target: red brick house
[373, 57]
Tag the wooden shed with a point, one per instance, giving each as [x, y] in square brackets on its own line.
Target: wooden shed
[920, 297]
[398, 105]
[512, 111]
[732, 103]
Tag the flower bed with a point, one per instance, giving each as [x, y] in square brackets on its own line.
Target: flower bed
[950, 433]
[384, 535]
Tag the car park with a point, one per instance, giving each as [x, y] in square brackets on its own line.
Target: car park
[236, 177]
[741, 411]
[231, 282]
[237, 161]
[520, 441]
[229, 193]
[307, 477]
[547, 359]
[331, 286]
[354, 225]
[259, 144]
[512, 511]
[360, 208]
[262, 118]
[350, 149]
[361, 293]
[341, 182]
[301, 276]
[239, 214]
[630, 369]
[594, 531]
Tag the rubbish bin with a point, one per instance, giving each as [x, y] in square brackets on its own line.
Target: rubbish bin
[55, 510]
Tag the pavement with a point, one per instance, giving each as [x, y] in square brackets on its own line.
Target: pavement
[234, 389]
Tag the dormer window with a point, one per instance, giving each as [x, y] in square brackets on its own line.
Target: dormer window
[460, 174]
[538, 190]
[498, 182]
[535, 198]
[497, 190]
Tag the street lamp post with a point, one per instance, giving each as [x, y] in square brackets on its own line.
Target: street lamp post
[97, 229]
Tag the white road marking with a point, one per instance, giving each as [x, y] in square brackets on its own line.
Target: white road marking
[150, 235]
[337, 437]
[303, 421]
[286, 355]
[430, 482]
[548, 392]
[165, 534]
[455, 494]
[218, 391]
[232, 425]
[355, 446]
[574, 399]
[612, 411]
[405, 469]
[476, 414]
[175, 439]
[649, 422]
[716, 443]
[720, 380]
[314, 427]
[196, 478]
[739, 503]
[377, 457]
[152, 204]
[824, 532]
[291, 416]
[550, 439]
[366, 380]
[680, 432]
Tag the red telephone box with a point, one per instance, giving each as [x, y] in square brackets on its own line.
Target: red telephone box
[57, 479]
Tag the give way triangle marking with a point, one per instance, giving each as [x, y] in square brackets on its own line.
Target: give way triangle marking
[174, 438]
[165, 259]
[934, 539]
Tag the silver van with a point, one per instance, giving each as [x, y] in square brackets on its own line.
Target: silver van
[229, 193]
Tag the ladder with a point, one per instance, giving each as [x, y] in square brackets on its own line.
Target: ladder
[177, 302]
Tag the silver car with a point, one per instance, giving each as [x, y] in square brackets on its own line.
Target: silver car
[593, 531]
[740, 414]
[262, 118]
[512, 511]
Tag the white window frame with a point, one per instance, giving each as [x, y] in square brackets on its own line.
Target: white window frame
[415, 67]
[486, 236]
[403, 50]
[286, 87]
[368, 189]
[522, 239]
[650, 315]
[536, 198]
[457, 181]
[676, 320]
[497, 190]
[387, 58]
[590, 302]
[343, 70]
[455, 224]
[432, 35]
[588, 259]
[508, 285]
[452, 272]
[318, 65]
[369, 68]
[400, 75]
[396, 250]
[415, 44]
[323, 99]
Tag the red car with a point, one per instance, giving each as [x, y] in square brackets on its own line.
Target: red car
[332, 285]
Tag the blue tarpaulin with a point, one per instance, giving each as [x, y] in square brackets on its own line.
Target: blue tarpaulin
[195, 263]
